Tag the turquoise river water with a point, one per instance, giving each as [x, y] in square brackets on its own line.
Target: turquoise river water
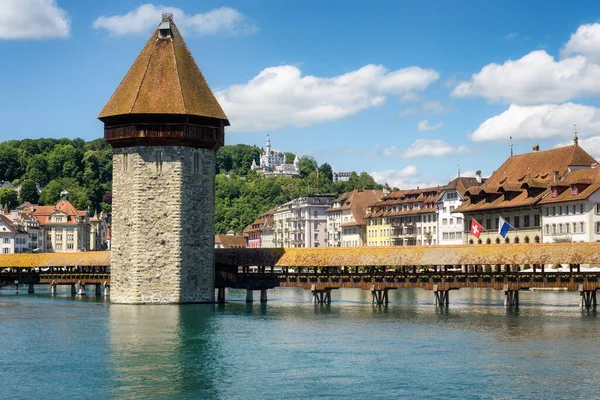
[56, 347]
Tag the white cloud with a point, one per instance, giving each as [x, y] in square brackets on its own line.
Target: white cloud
[224, 20]
[511, 35]
[586, 41]
[591, 145]
[32, 19]
[471, 174]
[425, 148]
[281, 96]
[405, 178]
[535, 78]
[539, 122]
[426, 126]
[426, 108]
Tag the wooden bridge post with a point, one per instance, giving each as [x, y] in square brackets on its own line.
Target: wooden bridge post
[30, 290]
[221, 295]
[73, 291]
[441, 296]
[98, 289]
[249, 296]
[263, 295]
[81, 291]
[379, 296]
[511, 297]
[588, 298]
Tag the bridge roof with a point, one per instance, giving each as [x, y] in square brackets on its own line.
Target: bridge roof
[548, 253]
[89, 259]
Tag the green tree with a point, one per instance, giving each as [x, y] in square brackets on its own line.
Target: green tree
[37, 169]
[307, 165]
[325, 171]
[77, 195]
[9, 196]
[28, 192]
[10, 166]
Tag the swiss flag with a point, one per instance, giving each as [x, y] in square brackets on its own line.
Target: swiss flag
[476, 228]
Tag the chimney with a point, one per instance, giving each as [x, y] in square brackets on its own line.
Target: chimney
[478, 175]
[556, 176]
[536, 147]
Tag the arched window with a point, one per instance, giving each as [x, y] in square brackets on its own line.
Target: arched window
[517, 239]
[489, 241]
[507, 240]
[526, 239]
[497, 240]
[536, 239]
[479, 241]
[470, 241]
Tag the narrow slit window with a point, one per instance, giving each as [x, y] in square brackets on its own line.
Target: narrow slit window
[159, 160]
[196, 163]
[125, 162]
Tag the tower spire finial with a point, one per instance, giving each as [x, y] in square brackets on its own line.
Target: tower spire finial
[458, 165]
[575, 138]
[511, 146]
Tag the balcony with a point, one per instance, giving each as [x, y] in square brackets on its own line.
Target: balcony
[562, 237]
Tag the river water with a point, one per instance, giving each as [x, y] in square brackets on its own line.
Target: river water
[80, 347]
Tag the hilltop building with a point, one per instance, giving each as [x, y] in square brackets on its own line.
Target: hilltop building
[341, 176]
[272, 163]
[164, 125]
[346, 224]
[515, 191]
[302, 222]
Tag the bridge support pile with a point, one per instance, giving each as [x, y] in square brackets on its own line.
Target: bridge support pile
[321, 296]
[588, 298]
[511, 297]
[380, 296]
[441, 296]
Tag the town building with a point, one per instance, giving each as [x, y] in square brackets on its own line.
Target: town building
[346, 224]
[231, 240]
[260, 232]
[408, 218]
[272, 162]
[66, 228]
[302, 222]
[514, 192]
[571, 208]
[450, 224]
[99, 232]
[13, 238]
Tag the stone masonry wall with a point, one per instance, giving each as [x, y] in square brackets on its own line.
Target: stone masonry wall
[162, 227]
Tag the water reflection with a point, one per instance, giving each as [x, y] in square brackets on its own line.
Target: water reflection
[163, 350]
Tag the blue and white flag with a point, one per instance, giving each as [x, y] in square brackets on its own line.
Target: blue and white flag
[503, 227]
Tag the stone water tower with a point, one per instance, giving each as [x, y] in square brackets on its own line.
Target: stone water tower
[164, 125]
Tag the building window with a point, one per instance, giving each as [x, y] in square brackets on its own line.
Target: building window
[581, 208]
[536, 220]
[560, 210]
[547, 229]
[444, 221]
[574, 190]
[582, 226]
[597, 227]
[536, 239]
[507, 219]
[517, 222]
[59, 236]
[6, 250]
[315, 214]
[6, 240]
[526, 221]
[70, 246]
[125, 163]
[547, 211]
[574, 227]
[70, 236]
[488, 223]
[59, 219]
[59, 246]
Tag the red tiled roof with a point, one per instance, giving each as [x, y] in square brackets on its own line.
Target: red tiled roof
[43, 213]
[523, 179]
[587, 182]
[231, 241]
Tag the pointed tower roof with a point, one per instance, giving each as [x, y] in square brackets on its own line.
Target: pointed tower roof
[164, 79]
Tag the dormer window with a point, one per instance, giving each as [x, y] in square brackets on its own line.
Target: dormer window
[554, 193]
[574, 191]
[164, 29]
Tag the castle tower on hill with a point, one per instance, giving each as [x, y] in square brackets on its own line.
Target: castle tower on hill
[165, 125]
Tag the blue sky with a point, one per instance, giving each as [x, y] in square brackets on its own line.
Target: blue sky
[402, 90]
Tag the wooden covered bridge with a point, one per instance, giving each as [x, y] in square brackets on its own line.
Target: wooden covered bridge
[510, 268]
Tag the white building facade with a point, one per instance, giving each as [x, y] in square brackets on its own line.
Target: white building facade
[302, 222]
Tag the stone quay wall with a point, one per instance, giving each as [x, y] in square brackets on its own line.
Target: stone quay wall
[162, 225]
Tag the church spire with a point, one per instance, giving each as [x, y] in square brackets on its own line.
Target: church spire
[575, 139]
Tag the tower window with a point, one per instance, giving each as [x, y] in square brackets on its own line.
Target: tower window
[196, 163]
[159, 160]
[125, 162]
